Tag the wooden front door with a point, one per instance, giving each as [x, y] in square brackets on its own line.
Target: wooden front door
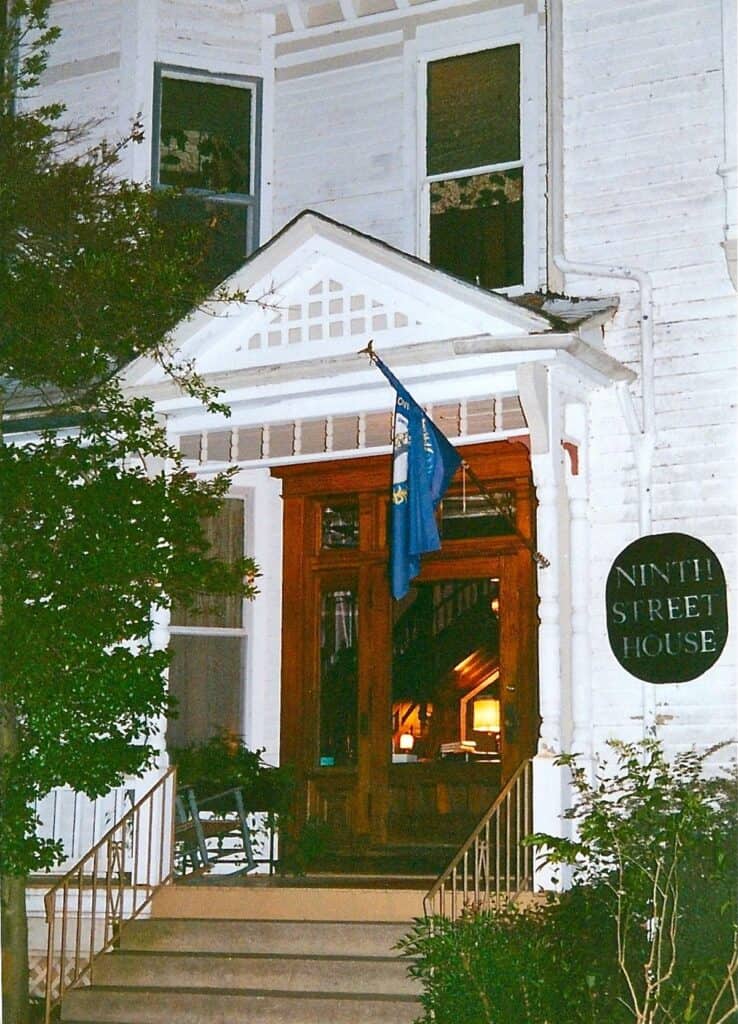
[383, 702]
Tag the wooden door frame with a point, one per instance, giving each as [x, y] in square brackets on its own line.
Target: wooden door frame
[503, 466]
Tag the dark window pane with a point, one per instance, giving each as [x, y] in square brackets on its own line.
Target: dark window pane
[224, 533]
[475, 516]
[205, 136]
[474, 110]
[205, 677]
[476, 228]
[223, 229]
[340, 525]
[339, 681]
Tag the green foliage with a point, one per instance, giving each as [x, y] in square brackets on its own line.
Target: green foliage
[540, 964]
[301, 851]
[223, 763]
[645, 934]
[100, 525]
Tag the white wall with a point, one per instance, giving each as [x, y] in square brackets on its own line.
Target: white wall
[339, 147]
[350, 121]
[643, 112]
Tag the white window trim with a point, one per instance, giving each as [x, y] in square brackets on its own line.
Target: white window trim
[529, 160]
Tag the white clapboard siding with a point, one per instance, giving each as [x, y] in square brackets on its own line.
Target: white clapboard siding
[79, 822]
[83, 73]
[216, 35]
[86, 32]
[339, 148]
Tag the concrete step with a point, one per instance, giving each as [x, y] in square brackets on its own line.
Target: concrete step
[198, 1006]
[289, 902]
[314, 938]
[327, 974]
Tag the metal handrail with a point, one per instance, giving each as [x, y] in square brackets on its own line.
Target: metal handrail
[493, 866]
[114, 881]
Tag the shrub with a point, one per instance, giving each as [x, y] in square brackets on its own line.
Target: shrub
[223, 763]
[647, 931]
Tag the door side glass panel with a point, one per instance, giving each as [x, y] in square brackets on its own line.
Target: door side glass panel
[446, 673]
[339, 679]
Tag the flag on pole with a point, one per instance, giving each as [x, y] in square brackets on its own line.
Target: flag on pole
[423, 463]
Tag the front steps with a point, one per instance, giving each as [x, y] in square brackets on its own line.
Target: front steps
[261, 953]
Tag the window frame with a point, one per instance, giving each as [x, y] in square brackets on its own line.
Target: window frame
[242, 632]
[528, 114]
[249, 200]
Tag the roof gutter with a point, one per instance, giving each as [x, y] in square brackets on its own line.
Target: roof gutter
[641, 425]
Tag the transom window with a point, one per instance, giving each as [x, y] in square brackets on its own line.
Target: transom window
[206, 144]
[474, 168]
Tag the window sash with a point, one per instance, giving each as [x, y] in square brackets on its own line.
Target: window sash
[250, 199]
[520, 163]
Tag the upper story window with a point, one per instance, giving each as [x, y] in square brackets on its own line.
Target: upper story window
[474, 166]
[206, 143]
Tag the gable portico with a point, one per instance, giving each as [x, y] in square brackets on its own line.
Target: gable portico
[287, 353]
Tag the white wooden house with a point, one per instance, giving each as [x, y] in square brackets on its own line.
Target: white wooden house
[530, 208]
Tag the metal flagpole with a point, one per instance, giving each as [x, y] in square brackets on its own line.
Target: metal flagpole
[493, 502]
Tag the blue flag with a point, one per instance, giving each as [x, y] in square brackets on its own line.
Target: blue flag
[423, 463]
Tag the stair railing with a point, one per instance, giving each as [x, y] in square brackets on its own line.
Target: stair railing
[494, 865]
[112, 884]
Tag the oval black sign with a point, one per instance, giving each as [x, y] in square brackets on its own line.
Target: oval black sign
[667, 609]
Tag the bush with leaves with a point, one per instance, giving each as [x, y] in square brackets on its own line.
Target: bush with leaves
[225, 762]
[646, 934]
[661, 840]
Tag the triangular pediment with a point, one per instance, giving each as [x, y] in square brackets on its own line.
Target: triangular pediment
[319, 290]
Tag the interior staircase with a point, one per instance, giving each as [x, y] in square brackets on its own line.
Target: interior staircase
[266, 952]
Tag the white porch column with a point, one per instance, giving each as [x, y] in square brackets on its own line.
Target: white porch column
[541, 404]
[549, 780]
[577, 487]
[261, 706]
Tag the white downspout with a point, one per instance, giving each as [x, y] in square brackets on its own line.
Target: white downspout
[728, 169]
[642, 428]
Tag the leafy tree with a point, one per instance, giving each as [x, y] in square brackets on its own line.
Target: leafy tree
[100, 524]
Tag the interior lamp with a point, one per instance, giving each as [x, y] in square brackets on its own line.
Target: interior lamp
[485, 715]
[407, 742]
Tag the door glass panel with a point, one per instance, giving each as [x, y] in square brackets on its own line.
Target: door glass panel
[340, 524]
[339, 680]
[445, 672]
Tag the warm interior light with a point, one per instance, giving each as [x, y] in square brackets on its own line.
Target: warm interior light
[407, 741]
[486, 715]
